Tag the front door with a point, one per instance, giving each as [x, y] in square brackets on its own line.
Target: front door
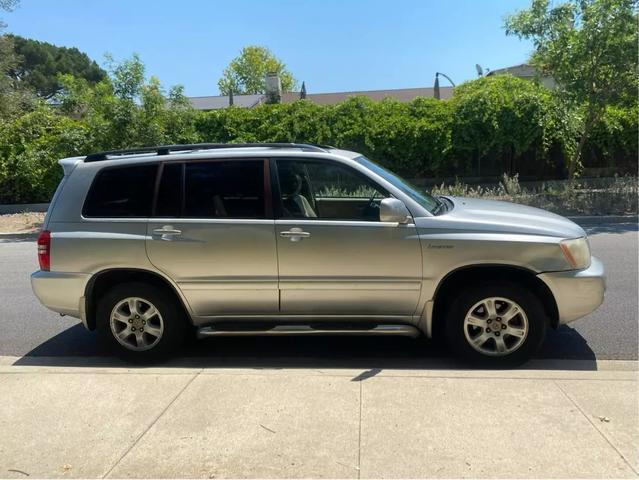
[335, 257]
[213, 234]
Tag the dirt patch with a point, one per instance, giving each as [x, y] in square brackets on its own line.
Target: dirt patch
[28, 222]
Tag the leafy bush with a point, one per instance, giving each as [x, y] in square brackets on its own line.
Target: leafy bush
[614, 138]
[504, 115]
[511, 124]
[29, 149]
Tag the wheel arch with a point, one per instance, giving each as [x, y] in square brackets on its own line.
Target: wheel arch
[466, 276]
[102, 281]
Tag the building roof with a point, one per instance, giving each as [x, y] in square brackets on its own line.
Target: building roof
[401, 94]
[216, 102]
[521, 70]
[249, 101]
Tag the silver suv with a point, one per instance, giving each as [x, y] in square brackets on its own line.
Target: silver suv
[295, 239]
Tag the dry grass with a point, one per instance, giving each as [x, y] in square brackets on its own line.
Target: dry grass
[27, 222]
[615, 196]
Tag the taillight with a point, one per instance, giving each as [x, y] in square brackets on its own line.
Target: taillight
[44, 250]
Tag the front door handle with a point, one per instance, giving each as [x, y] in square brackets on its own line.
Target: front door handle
[167, 232]
[295, 234]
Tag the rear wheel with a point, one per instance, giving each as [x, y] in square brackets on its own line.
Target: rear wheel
[496, 324]
[140, 321]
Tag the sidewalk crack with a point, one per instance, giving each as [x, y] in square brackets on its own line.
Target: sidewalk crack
[139, 437]
[594, 425]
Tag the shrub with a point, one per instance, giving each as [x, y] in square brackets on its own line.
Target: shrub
[509, 124]
[30, 146]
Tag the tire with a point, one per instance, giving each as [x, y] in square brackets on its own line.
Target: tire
[478, 330]
[125, 332]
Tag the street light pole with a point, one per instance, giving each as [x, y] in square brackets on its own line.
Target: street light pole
[436, 92]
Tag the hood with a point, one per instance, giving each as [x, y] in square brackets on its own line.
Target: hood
[492, 216]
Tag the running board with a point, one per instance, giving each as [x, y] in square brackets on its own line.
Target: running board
[282, 330]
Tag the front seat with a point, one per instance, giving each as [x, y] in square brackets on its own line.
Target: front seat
[295, 204]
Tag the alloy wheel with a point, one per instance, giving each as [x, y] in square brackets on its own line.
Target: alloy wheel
[496, 326]
[136, 324]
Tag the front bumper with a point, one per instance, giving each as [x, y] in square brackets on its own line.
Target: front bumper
[577, 292]
[61, 292]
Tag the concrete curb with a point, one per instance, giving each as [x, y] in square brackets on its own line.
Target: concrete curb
[23, 207]
[18, 237]
[536, 368]
[603, 219]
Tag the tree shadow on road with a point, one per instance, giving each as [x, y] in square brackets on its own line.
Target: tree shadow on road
[78, 347]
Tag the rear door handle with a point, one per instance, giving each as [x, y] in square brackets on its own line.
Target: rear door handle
[167, 232]
[295, 234]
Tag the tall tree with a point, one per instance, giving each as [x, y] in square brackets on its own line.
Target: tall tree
[245, 74]
[589, 47]
[7, 6]
[11, 100]
[41, 63]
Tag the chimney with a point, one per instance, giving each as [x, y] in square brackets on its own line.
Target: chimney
[273, 88]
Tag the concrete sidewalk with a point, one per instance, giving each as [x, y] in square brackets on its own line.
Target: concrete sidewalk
[98, 419]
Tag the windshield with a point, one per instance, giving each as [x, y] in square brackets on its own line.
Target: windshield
[430, 203]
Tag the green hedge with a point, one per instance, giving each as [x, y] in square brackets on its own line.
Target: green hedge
[29, 149]
[501, 124]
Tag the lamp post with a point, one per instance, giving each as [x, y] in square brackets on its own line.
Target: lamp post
[436, 87]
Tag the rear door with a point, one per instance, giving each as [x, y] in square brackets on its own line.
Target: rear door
[335, 256]
[212, 232]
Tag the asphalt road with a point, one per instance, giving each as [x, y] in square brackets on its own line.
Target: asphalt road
[611, 332]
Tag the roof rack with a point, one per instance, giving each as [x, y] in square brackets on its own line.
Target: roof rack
[166, 149]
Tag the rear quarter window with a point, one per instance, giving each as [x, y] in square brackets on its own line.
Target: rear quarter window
[122, 192]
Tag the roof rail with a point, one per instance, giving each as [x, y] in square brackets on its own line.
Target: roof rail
[166, 149]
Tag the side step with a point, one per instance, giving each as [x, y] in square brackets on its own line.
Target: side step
[282, 330]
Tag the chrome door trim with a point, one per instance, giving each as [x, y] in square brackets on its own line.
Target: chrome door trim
[118, 220]
[220, 221]
[342, 223]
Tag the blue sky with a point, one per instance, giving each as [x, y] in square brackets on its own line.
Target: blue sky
[333, 45]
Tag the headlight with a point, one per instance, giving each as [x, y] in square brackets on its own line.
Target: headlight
[577, 252]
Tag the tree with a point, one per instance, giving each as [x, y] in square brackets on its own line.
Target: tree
[14, 99]
[124, 110]
[505, 117]
[589, 47]
[245, 74]
[40, 63]
[7, 6]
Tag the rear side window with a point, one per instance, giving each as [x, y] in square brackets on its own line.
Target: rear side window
[232, 189]
[122, 192]
[169, 202]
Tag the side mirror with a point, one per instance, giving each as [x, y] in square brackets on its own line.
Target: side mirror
[393, 210]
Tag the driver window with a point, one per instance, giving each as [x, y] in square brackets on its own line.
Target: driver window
[327, 191]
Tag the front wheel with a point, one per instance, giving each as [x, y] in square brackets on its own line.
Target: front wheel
[140, 321]
[500, 325]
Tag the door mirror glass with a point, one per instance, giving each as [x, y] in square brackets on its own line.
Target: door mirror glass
[393, 210]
